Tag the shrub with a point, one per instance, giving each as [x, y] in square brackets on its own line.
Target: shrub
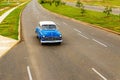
[78, 3]
[107, 11]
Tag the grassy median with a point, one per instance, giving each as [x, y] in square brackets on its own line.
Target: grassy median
[111, 22]
[9, 27]
[5, 5]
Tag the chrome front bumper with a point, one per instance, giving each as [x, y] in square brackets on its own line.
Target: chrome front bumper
[54, 41]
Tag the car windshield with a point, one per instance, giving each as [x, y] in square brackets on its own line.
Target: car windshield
[48, 27]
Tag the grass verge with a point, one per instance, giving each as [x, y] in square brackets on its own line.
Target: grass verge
[4, 6]
[3, 11]
[112, 3]
[9, 27]
[97, 18]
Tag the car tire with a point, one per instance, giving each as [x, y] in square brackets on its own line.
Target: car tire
[59, 43]
[37, 36]
[42, 43]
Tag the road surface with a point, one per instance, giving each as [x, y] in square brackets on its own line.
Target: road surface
[87, 53]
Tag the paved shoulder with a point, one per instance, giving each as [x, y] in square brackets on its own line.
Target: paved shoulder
[6, 44]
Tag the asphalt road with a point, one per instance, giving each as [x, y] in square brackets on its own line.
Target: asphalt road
[87, 53]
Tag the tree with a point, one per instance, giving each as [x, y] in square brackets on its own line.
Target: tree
[107, 11]
[57, 2]
[42, 1]
[82, 10]
[78, 3]
[81, 6]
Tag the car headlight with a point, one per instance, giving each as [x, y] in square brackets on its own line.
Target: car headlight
[43, 36]
[60, 35]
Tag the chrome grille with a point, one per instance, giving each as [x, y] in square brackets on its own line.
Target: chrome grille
[52, 38]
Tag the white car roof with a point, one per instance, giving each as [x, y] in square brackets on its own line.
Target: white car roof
[46, 23]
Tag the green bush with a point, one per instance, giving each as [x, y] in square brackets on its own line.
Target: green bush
[107, 11]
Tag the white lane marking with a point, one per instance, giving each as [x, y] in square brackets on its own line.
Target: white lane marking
[29, 73]
[77, 30]
[58, 24]
[83, 36]
[65, 23]
[99, 74]
[99, 43]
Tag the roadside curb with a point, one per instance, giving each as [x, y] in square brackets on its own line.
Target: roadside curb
[81, 22]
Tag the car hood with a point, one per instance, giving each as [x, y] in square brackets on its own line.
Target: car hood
[51, 33]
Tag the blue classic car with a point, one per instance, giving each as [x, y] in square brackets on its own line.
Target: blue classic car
[47, 32]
